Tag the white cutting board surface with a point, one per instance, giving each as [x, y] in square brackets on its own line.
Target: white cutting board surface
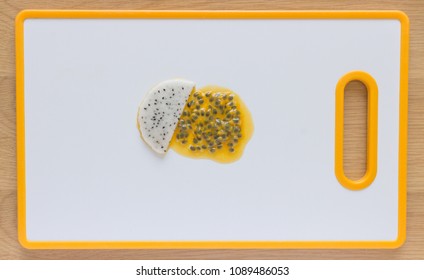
[89, 176]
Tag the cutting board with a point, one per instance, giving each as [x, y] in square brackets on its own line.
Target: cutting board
[87, 180]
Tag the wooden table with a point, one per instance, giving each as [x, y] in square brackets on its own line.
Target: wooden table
[355, 126]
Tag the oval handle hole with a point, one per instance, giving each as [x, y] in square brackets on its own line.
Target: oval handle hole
[358, 137]
[355, 130]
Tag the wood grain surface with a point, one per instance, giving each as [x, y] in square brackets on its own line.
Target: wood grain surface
[355, 126]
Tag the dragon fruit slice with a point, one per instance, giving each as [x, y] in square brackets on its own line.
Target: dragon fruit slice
[160, 110]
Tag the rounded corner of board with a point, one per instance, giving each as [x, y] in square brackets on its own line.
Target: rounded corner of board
[25, 243]
[402, 17]
[399, 242]
[401, 238]
[23, 15]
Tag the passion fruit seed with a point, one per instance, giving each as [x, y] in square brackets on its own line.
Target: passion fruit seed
[212, 119]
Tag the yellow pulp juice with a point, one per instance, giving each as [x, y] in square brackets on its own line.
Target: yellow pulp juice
[215, 124]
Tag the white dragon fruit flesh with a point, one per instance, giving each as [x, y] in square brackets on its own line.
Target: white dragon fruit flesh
[160, 110]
